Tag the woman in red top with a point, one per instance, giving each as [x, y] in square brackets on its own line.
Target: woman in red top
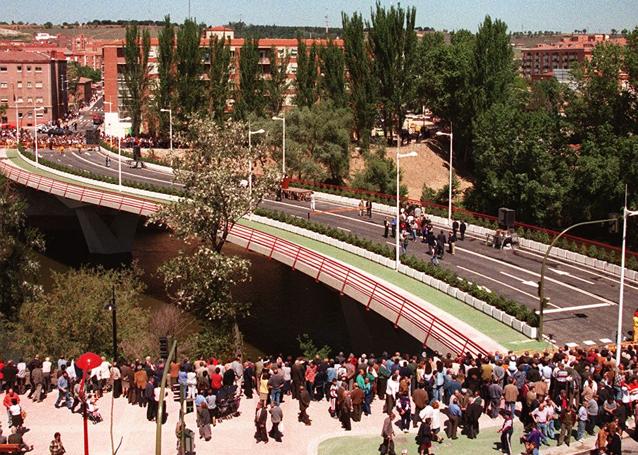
[216, 381]
[311, 372]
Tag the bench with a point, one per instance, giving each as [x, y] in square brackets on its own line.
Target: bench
[10, 448]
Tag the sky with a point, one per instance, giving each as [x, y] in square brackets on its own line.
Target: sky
[520, 15]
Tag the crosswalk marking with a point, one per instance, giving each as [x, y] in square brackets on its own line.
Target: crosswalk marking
[589, 342]
[605, 340]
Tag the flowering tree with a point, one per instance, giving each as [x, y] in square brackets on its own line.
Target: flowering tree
[217, 194]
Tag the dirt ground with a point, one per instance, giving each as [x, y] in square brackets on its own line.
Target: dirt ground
[428, 167]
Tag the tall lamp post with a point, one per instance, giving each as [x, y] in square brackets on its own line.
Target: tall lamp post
[283, 145]
[170, 125]
[397, 230]
[112, 307]
[17, 121]
[541, 283]
[621, 296]
[119, 148]
[250, 158]
[35, 129]
[449, 202]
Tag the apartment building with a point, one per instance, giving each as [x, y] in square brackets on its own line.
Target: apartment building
[33, 87]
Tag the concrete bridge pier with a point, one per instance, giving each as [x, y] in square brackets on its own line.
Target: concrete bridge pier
[106, 233]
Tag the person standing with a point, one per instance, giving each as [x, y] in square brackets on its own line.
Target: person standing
[424, 437]
[304, 403]
[405, 407]
[313, 202]
[63, 390]
[387, 433]
[357, 396]
[455, 227]
[462, 229]
[567, 420]
[346, 412]
[386, 227]
[37, 380]
[203, 421]
[149, 396]
[506, 433]
[362, 206]
[276, 417]
[261, 418]
[56, 447]
[369, 208]
[47, 365]
[451, 241]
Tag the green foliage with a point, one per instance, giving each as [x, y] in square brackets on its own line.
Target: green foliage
[136, 52]
[309, 350]
[215, 339]
[218, 77]
[188, 62]
[393, 43]
[379, 174]
[361, 84]
[73, 314]
[18, 243]
[275, 88]
[250, 93]
[165, 89]
[307, 74]
[332, 65]
[318, 142]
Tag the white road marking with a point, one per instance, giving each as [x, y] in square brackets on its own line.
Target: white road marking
[571, 345]
[533, 284]
[343, 229]
[578, 307]
[499, 282]
[589, 342]
[562, 272]
[560, 283]
[523, 341]
[606, 340]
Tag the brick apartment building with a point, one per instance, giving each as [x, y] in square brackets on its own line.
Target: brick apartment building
[114, 62]
[544, 60]
[29, 80]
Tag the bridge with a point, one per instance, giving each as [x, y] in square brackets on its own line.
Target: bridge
[583, 297]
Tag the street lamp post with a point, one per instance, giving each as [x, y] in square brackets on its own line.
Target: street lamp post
[621, 296]
[250, 158]
[112, 307]
[17, 122]
[449, 202]
[35, 129]
[397, 230]
[541, 285]
[119, 149]
[283, 156]
[170, 125]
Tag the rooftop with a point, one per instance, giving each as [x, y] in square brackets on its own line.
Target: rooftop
[18, 56]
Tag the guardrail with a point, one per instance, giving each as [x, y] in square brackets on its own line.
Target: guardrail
[397, 308]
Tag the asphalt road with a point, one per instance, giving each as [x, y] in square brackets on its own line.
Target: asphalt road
[582, 309]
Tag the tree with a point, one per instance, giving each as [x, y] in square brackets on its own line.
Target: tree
[48, 25]
[393, 44]
[249, 98]
[218, 77]
[84, 324]
[166, 72]
[361, 93]
[307, 74]
[18, 243]
[275, 87]
[216, 196]
[136, 51]
[379, 174]
[332, 64]
[188, 59]
[318, 140]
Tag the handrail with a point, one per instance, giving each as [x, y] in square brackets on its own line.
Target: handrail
[347, 277]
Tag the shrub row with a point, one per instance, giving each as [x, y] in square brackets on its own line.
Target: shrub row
[600, 252]
[99, 177]
[126, 153]
[520, 312]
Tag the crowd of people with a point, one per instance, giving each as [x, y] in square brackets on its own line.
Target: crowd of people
[556, 396]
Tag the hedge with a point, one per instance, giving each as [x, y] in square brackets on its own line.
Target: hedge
[520, 312]
[126, 153]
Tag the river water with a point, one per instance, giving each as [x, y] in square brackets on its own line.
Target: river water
[285, 303]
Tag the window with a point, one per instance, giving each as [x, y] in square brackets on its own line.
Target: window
[39, 99]
[19, 84]
[38, 84]
[29, 100]
[20, 100]
[30, 114]
[3, 69]
[39, 114]
[38, 69]
[293, 51]
[4, 100]
[3, 85]
[29, 85]
[19, 68]
[20, 115]
[28, 67]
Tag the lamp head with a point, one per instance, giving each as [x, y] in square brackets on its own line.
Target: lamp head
[259, 131]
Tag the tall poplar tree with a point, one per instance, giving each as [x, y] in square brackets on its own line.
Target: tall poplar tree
[332, 64]
[275, 87]
[136, 49]
[393, 44]
[218, 77]
[189, 68]
[166, 71]
[249, 98]
[307, 74]
[361, 93]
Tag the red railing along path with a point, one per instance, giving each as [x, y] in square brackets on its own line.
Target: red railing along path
[400, 310]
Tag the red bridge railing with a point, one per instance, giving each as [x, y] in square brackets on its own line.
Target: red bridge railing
[400, 308]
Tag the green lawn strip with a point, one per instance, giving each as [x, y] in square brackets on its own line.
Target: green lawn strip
[485, 443]
[25, 165]
[498, 331]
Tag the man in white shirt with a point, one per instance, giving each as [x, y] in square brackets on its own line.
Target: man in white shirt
[46, 375]
[391, 391]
